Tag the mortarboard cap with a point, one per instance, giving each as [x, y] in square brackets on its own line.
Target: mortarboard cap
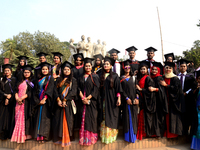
[98, 56]
[182, 61]
[27, 67]
[22, 57]
[113, 50]
[144, 63]
[57, 54]
[169, 55]
[41, 54]
[88, 60]
[170, 64]
[109, 59]
[67, 64]
[7, 66]
[132, 48]
[80, 55]
[45, 64]
[125, 63]
[150, 49]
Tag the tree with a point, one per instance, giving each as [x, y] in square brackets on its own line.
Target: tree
[193, 54]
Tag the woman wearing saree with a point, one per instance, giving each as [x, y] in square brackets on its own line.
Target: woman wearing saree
[63, 119]
[43, 93]
[23, 98]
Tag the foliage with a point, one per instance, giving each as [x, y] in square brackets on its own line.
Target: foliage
[29, 45]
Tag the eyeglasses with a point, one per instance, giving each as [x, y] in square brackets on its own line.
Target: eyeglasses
[127, 67]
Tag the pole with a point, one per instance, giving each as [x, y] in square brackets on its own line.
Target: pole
[160, 36]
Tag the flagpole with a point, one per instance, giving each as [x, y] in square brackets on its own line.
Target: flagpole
[160, 36]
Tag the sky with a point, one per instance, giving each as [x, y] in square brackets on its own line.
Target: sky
[120, 23]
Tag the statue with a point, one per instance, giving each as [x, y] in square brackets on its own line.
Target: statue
[98, 48]
[72, 50]
[90, 48]
[103, 50]
[82, 46]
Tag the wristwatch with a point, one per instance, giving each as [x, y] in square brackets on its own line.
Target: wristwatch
[89, 102]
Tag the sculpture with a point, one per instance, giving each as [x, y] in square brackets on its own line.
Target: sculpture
[90, 48]
[72, 50]
[103, 50]
[82, 46]
[98, 48]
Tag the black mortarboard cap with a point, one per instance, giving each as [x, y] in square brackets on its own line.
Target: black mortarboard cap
[132, 48]
[150, 49]
[159, 65]
[125, 63]
[7, 66]
[169, 55]
[80, 55]
[171, 64]
[45, 64]
[41, 54]
[144, 63]
[98, 56]
[109, 59]
[113, 50]
[67, 64]
[57, 54]
[27, 67]
[88, 60]
[182, 61]
[22, 57]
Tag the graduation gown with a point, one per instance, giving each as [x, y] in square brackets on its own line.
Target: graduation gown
[92, 109]
[37, 71]
[7, 111]
[18, 75]
[148, 104]
[161, 106]
[129, 90]
[110, 96]
[190, 85]
[46, 110]
[98, 71]
[176, 105]
[77, 72]
[57, 123]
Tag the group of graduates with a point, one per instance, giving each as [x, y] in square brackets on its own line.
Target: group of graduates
[149, 99]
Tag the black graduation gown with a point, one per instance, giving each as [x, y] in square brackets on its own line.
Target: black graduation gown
[129, 90]
[189, 83]
[46, 110]
[77, 72]
[161, 106]
[148, 103]
[91, 109]
[57, 121]
[134, 65]
[110, 95]
[37, 71]
[7, 111]
[99, 71]
[176, 106]
[18, 75]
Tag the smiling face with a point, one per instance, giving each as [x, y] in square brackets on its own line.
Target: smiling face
[183, 68]
[42, 59]
[154, 70]
[143, 70]
[150, 55]
[88, 67]
[56, 59]
[169, 59]
[66, 71]
[107, 66]
[45, 70]
[78, 61]
[127, 69]
[98, 62]
[168, 69]
[114, 56]
[132, 54]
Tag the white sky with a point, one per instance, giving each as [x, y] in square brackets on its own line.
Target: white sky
[121, 23]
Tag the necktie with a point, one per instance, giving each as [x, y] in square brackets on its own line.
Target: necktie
[181, 80]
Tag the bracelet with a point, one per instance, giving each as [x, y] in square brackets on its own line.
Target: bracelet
[156, 89]
[137, 97]
[58, 99]
[127, 98]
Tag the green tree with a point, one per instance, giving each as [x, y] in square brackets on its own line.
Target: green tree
[193, 54]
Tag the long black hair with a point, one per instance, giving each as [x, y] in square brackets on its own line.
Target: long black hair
[41, 75]
[123, 72]
[139, 75]
[4, 80]
[58, 66]
[19, 67]
[62, 76]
